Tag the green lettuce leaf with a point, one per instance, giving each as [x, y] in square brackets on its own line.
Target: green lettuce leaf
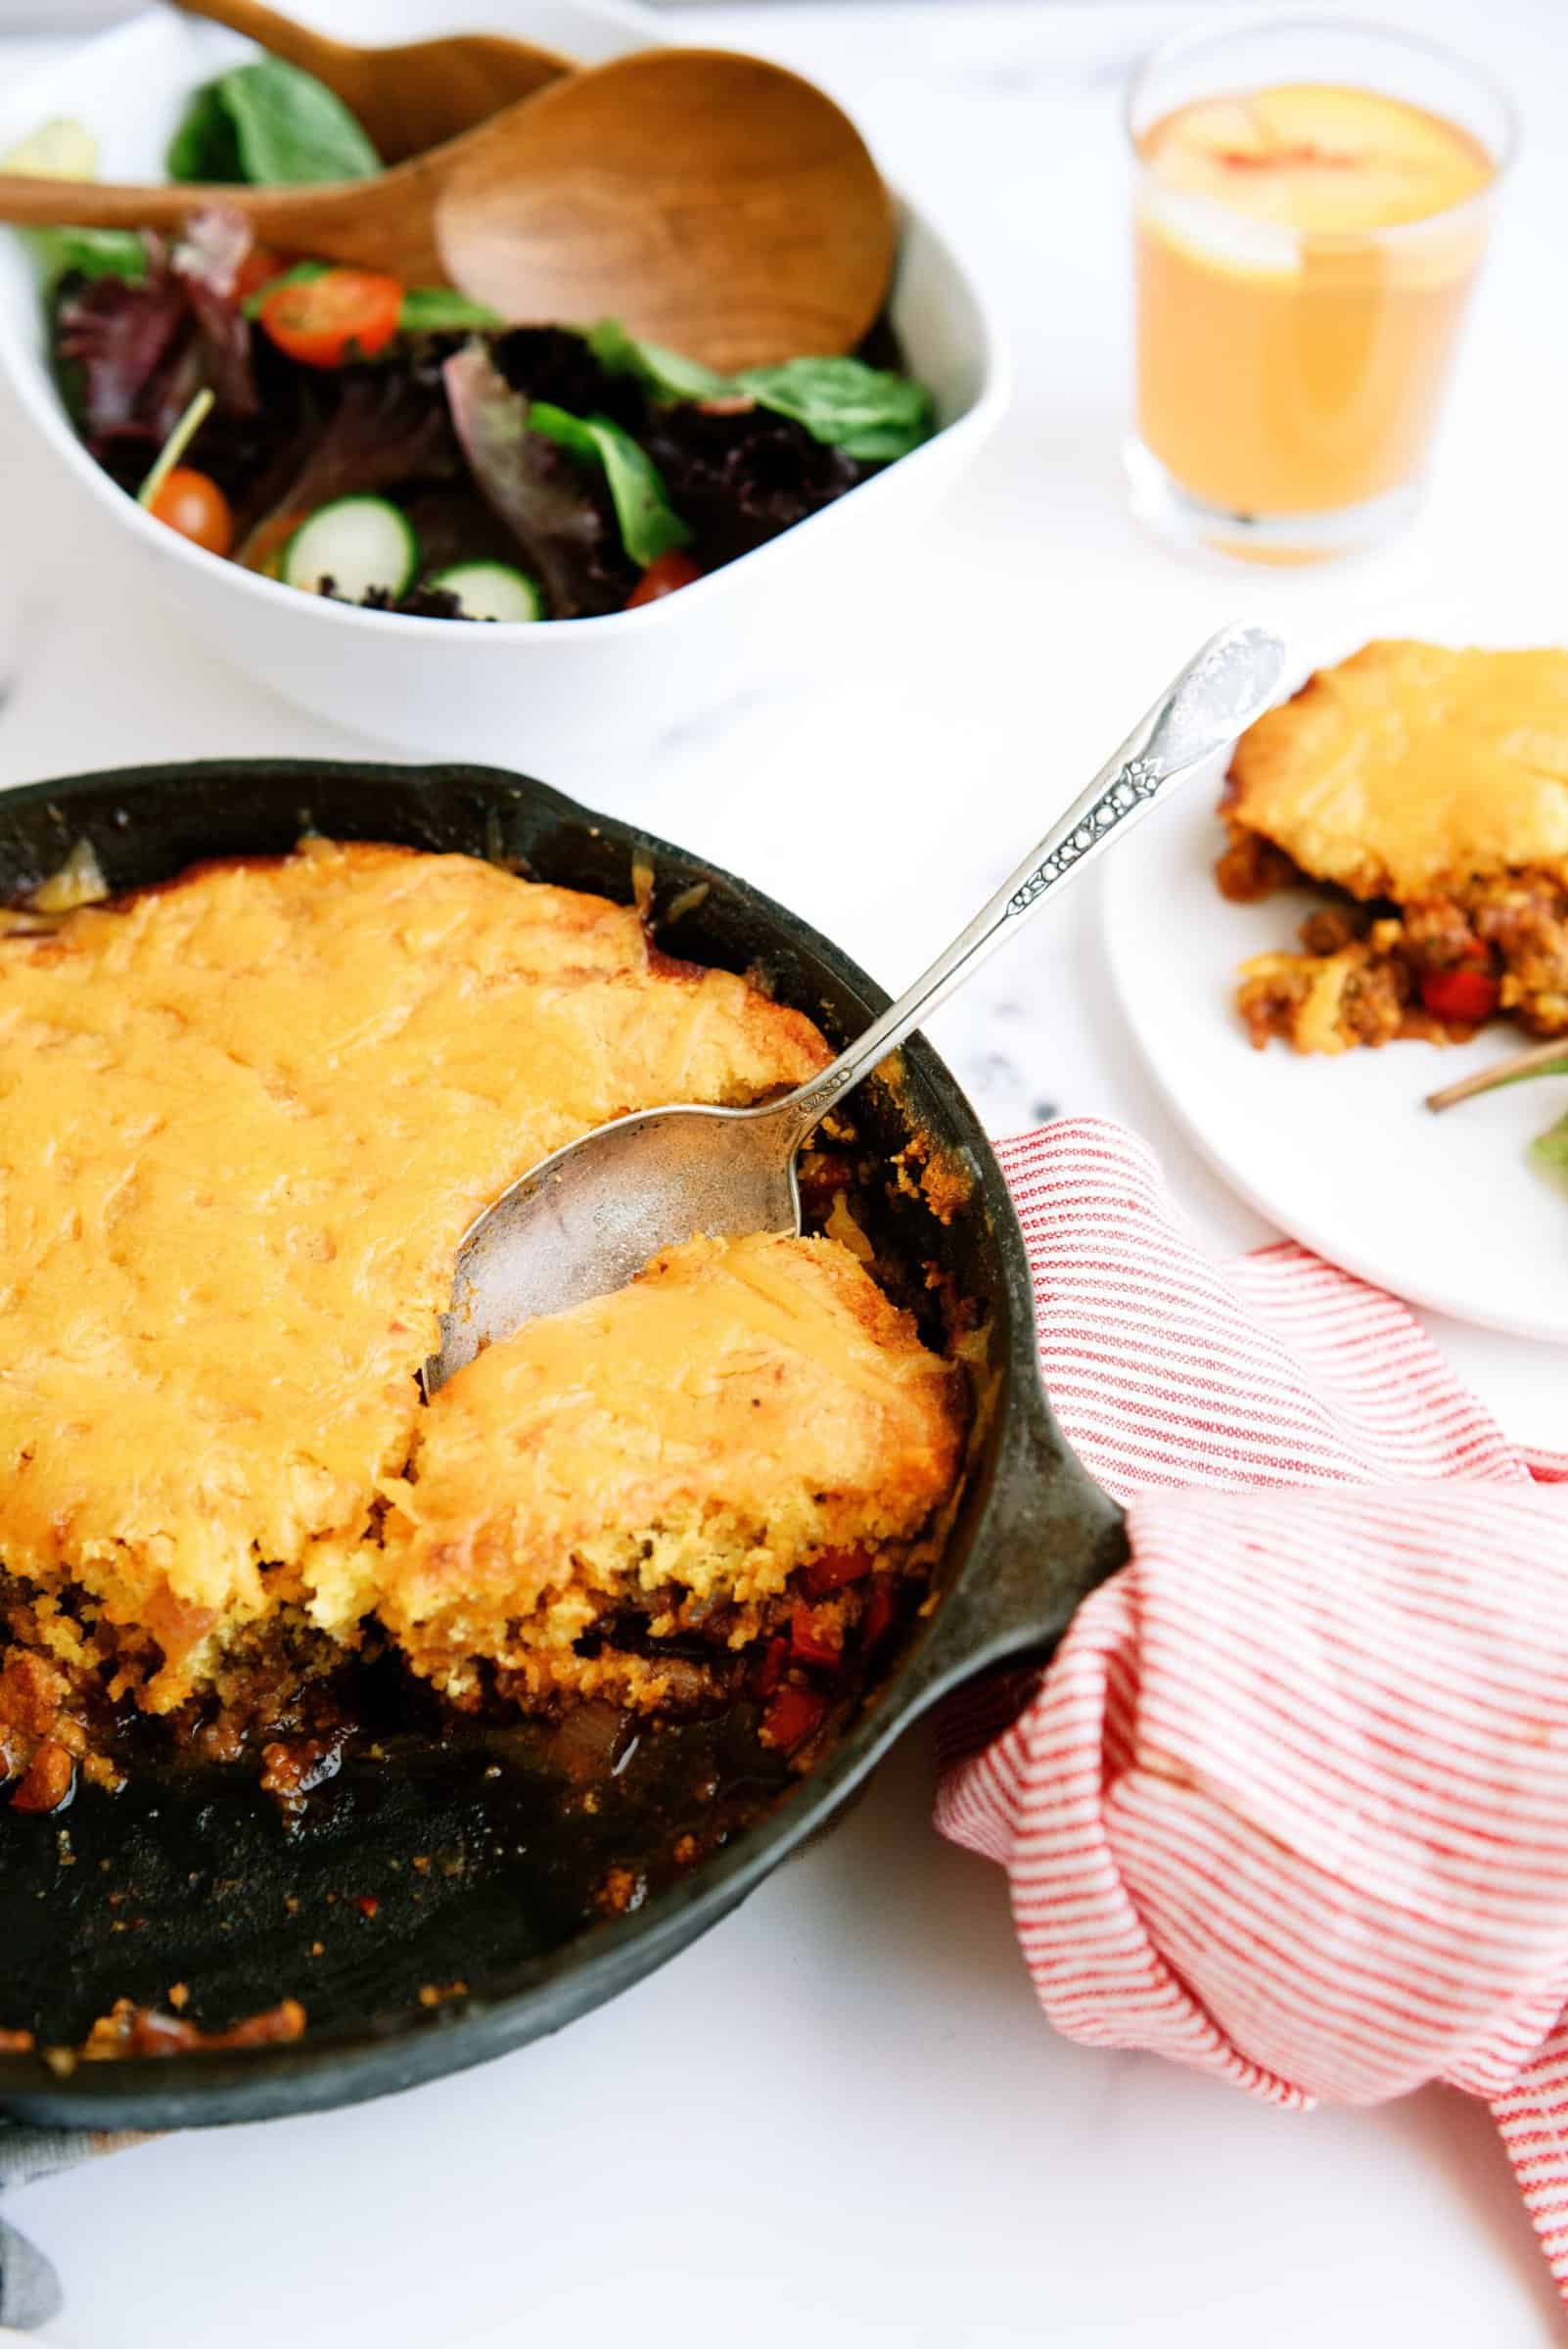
[88, 253]
[441, 309]
[271, 125]
[648, 523]
[665, 373]
[871, 413]
[205, 145]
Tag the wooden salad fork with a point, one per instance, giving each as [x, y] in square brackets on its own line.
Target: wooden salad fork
[711, 202]
[407, 98]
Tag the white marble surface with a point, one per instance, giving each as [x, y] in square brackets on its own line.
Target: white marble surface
[842, 2118]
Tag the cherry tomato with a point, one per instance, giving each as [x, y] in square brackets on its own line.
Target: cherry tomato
[663, 577]
[343, 314]
[194, 506]
[1464, 995]
[260, 265]
[264, 548]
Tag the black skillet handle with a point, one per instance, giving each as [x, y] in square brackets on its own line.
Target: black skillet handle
[1050, 1537]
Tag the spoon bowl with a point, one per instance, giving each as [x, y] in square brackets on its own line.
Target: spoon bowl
[586, 1220]
[589, 1216]
[709, 201]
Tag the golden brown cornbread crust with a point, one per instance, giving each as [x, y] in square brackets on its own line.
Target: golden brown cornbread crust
[1411, 768]
[1429, 786]
[244, 1122]
[686, 1443]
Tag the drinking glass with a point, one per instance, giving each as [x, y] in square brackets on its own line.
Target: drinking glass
[1294, 343]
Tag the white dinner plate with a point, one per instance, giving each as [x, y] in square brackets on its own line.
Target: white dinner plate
[1337, 1149]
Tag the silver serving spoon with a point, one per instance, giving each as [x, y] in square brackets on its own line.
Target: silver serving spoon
[587, 1219]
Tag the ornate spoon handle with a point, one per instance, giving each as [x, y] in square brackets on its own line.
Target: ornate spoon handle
[1214, 699]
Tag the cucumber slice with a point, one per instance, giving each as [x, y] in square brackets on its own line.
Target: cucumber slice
[491, 591]
[362, 545]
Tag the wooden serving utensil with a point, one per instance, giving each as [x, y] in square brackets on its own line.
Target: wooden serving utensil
[709, 201]
[415, 96]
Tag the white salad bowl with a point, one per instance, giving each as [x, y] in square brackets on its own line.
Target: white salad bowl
[522, 693]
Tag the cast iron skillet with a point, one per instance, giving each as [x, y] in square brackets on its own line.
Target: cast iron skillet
[161, 1884]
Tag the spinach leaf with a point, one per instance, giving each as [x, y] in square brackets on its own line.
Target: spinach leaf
[872, 414]
[205, 145]
[649, 525]
[665, 373]
[439, 309]
[869, 412]
[273, 125]
[292, 130]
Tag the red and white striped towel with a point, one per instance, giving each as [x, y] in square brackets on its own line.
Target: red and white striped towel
[1291, 1803]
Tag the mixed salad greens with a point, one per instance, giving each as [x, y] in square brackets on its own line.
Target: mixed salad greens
[401, 447]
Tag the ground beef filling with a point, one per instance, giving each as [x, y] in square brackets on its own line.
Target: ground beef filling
[1370, 973]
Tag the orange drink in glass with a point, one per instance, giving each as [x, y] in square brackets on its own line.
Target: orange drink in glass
[1312, 202]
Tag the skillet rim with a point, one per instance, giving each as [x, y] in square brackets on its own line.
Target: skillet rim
[1036, 1492]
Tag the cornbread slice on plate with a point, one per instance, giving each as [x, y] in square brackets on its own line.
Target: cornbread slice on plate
[245, 1120]
[662, 1461]
[1427, 789]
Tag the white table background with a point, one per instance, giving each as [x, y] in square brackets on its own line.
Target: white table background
[841, 2118]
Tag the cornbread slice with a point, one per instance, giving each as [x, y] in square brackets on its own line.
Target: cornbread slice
[245, 1120]
[683, 1444]
[1429, 787]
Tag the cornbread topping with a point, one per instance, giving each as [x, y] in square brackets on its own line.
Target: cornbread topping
[1429, 788]
[742, 1407]
[245, 1120]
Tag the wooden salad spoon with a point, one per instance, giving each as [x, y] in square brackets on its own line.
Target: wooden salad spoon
[415, 96]
[711, 202]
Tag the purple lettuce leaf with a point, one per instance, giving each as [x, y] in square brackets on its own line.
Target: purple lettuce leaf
[131, 356]
[207, 261]
[739, 476]
[112, 337]
[557, 511]
[390, 430]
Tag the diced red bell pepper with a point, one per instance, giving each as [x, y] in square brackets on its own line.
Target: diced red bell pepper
[771, 1671]
[811, 1643]
[791, 1717]
[877, 1621]
[833, 1570]
[1466, 994]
